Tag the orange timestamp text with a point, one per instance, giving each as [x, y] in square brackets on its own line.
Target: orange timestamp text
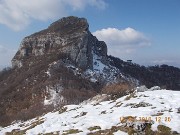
[147, 118]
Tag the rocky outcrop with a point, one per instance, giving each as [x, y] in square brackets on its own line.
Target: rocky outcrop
[63, 64]
[68, 35]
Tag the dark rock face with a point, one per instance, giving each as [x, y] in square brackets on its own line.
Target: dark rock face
[68, 35]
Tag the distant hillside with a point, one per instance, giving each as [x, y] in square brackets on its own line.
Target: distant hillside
[161, 75]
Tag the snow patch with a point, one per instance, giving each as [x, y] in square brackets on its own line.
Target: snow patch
[101, 72]
[98, 66]
[54, 97]
[120, 133]
[48, 72]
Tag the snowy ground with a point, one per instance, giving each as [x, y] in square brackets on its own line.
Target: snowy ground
[161, 106]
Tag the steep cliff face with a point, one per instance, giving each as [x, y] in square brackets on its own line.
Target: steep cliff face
[68, 35]
[63, 64]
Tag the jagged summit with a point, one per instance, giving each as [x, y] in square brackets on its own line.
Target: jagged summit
[69, 35]
[66, 25]
[70, 23]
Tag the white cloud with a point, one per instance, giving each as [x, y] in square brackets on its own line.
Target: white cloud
[122, 42]
[5, 56]
[17, 14]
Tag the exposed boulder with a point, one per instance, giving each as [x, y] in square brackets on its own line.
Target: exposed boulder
[154, 88]
[142, 88]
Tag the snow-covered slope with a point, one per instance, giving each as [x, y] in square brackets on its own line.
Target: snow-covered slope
[157, 107]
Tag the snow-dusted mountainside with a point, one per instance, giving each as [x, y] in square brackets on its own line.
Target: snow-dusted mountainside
[146, 111]
[63, 64]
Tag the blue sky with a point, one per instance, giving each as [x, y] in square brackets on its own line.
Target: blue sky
[146, 31]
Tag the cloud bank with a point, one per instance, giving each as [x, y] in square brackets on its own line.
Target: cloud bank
[17, 14]
[122, 42]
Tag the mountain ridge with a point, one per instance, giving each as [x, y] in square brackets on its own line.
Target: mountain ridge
[63, 64]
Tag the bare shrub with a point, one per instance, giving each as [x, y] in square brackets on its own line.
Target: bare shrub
[118, 89]
[5, 73]
[75, 96]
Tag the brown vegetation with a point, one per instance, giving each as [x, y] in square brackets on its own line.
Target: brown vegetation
[118, 89]
[23, 90]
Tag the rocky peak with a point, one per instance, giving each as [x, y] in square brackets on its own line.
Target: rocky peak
[69, 23]
[63, 64]
[66, 26]
[69, 35]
